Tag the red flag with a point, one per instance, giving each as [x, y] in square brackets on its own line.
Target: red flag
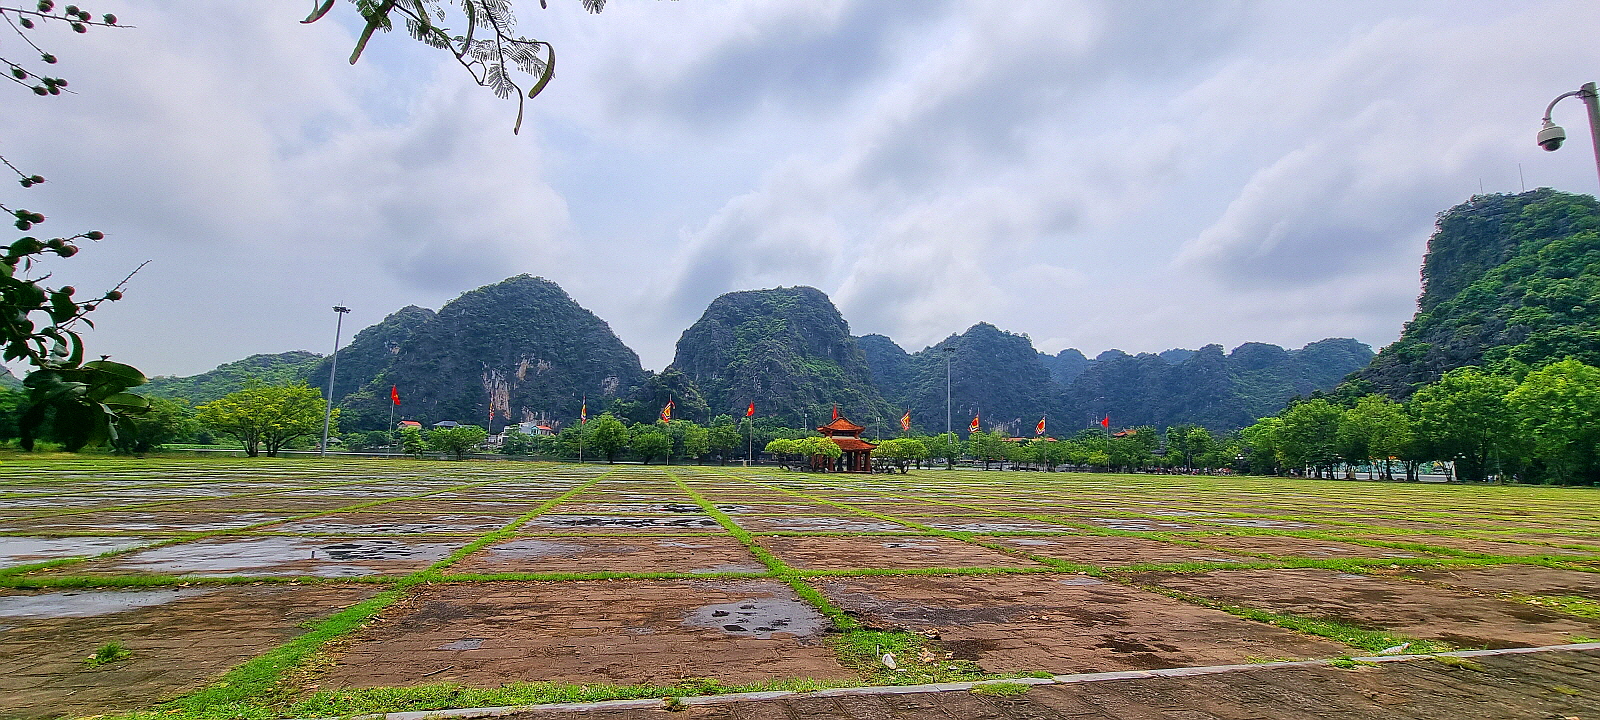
[1106, 422]
[750, 411]
[905, 421]
[1039, 429]
[666, 412]
[394, 394]
[836, 412]
[974, 427]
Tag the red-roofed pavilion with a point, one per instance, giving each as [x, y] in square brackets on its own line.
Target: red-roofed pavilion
[857, 455]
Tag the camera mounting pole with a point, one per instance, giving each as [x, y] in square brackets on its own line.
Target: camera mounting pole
[1551, 135]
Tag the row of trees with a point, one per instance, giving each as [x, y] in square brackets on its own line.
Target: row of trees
[1527, 425]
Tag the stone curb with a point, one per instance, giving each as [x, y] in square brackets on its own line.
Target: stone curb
[652, 703]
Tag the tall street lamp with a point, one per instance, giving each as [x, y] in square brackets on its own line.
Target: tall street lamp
[1551, 135]
[949, 352]
[333, 370]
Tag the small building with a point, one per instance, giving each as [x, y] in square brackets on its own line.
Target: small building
[409, 424]
[857, 455]
[446, 424]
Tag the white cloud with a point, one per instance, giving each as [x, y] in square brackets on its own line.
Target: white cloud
[1094, 174]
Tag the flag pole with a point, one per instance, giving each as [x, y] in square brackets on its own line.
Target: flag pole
[391, 428]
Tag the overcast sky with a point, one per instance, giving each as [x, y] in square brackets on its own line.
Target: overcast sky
[1132, 175]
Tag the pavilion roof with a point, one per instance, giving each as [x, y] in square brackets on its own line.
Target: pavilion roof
[850, 443]
[842, 425]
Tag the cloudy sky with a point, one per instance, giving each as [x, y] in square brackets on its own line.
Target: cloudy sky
[1133, 175]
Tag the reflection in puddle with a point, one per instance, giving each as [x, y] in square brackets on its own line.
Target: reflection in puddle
[90, 604]
[621, 521]
[325, 558]
[21, 550]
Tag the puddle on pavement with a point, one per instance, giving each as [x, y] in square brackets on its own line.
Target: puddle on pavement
[622, 521]
[90, 603]
[254, 554]
[759, 618]
[1029, 541]
[23, 550]
[462, 644]
[692, 508]
[144, 522]
[435, 524]
[911, 546]
[683, 545]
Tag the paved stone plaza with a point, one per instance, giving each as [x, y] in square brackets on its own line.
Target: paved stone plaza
[315, 588]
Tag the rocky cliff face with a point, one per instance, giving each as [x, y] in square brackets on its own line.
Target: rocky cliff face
[522, 345]
[1507, 279]
[787, 349]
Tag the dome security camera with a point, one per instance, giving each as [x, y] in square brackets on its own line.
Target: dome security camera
[1551, 137]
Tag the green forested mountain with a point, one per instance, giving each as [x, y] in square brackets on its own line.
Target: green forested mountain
[9, 381]
[993, 374]
[1207, 387]
[282, 368]
[525, 345]
[787, 349]
[1507, 279]
[1001, 375]
[521, 342]
[1065, 366]
[370, 352]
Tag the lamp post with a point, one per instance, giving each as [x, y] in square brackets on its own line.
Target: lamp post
[949, 352]
[1551, 135]
[333, 370]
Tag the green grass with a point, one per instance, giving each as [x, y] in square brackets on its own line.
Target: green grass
[108, 653]
[1569, 604]
[1000, 689]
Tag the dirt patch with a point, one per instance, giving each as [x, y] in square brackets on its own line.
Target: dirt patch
[1412, 609]
[1287, 546]
[623, 632]
[1064, 623]
[179, 637]
[689, 554]
[1113, 550]
[276, 555]
[841, 553]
